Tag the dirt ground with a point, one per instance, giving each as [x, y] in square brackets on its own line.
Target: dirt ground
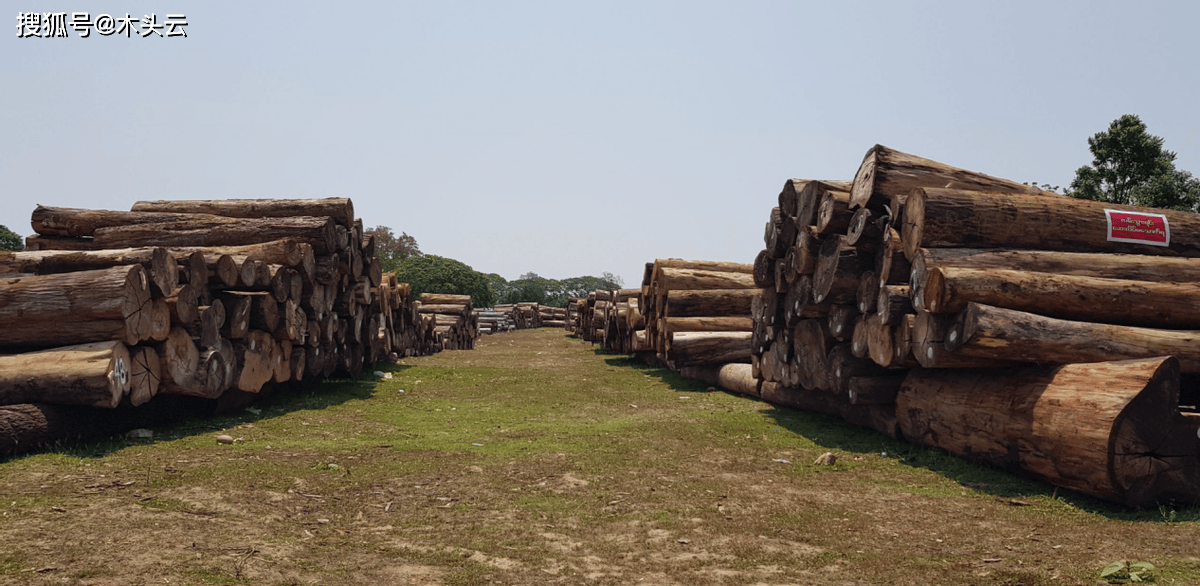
[535, 459]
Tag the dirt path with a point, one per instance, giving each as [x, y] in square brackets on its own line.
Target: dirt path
[535, 460]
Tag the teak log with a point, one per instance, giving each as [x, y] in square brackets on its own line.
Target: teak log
[731, 377]
[74, 222]
[703, 265]
[949, 218]
[833, 213]
[706, 324]
[876, 390]
[145, 375]
[339, 208]
[983, 332]
[1111, 429]
[287, 252]
[161, 267]
[886, 172]
[669, 279]
[809, 199]
[838, 271]
[710, 302]
[694, 348]
[932, 332]
[97, 375]
[74, 308]
[320, 233]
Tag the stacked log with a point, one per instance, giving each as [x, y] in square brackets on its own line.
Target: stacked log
[454, 319]
[696, 312]
[195, 299]
[979, 315]
[572, 315]
[552, 317]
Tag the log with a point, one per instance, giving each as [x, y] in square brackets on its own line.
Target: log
[317, 232]
[710, 302]
[179, 356]
[807, 251]
[875, 390]
[101, 305]
[703, 265]
[893, 303]
[932, 331]
[237, 315]
[145, 375]
[833, 214]
[445, 299]
[881, 418]
[868, 292]
[736, 378]
[256, 361]
[983, 333]
[695, 348]
[844, 366]
[707, 324]
[184, 304]
[764, 270]
[810, 197]
[74, 222]
[1111, 430]
[1115, 301]
[339, 208]
[886, 172]
[866, 231]
[838, 271]
[97, 375]
[287, 252]
[949, 218]
[842, 320]
[892, 267]
[669, 279]
[161, 267]
[812, 342]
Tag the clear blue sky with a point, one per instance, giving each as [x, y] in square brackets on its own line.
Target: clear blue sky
[571, 138]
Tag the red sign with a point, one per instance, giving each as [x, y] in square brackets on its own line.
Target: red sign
[1138, 228]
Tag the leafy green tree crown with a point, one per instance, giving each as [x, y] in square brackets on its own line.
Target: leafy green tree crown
[430, 273]
[1131, 167]
[10, 240]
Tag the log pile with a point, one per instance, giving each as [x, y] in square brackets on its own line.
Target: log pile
[453, 319]
[990, 319]
[196, 299]
[552, 317]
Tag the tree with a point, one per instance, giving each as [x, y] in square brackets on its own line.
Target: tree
[391, 249]
[1130, 166]
[429, 273]
[10, 240]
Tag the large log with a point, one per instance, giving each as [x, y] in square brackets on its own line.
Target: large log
[669, 279]
[320, 233]
[98, 305]
[341, 209]
[161, 267]
[1111, 430]
[886, 172]
[695, 348]
[731, 377]
[809, 199]
[97, 375]
[950, 218]
[145, 375]
[703, 265]
[710, 302]
[983, 332]
[287, 252]
[1116, 301]
[838, 271]
[707, 324]
[74, 222]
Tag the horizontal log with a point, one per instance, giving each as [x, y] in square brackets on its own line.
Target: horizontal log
[706, 324]
[97, 375]
[731, 377]
[886, 172]
[339, 208]
[710, 302]
[1111, 430]
[317, 232]
[101, 305]
[694, 348]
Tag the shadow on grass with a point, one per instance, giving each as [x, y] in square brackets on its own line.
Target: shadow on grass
[833, 433]
[99, 432]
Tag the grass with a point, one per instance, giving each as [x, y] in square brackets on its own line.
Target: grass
[536, 459]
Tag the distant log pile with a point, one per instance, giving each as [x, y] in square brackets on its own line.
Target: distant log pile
[453, 319]
[196, 299]
[987, 318]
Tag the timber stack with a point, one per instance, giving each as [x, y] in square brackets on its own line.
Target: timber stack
[696, 312]
[552, 317]
[210, 300]
[453, 318]
[988, 318]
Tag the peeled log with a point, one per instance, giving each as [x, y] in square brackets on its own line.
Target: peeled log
[96, 375]
[695, 348]
[317, 232]
[949, 218]
[1111, 430]
[98, 305]
[341, 209]
[731, 377]
[885, 172]
[982, 332]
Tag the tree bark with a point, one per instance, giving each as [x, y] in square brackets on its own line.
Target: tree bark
[1111, 430]
[833, 214]
[707, 324]
[696, 348]
[731, 377]
[838, 271]
[668, 279]
[809, 200]
[709, 303]
[161, 267]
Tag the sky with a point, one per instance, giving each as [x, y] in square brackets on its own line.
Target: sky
[572, 138]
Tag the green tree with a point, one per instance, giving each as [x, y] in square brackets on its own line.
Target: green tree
[1130, 166]
[429, 273]
[391, 249]
[10, 240]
